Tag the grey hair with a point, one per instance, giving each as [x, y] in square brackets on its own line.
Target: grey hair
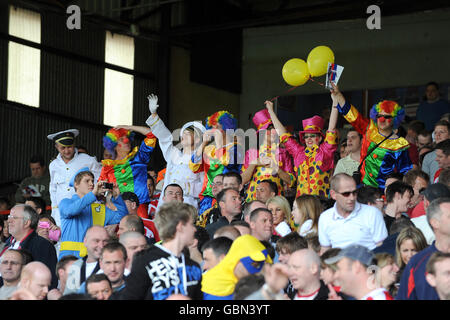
[29, 214]
[434, 209]
[335, 181]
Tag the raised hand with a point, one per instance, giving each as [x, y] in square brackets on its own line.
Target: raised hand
[153, 103]
[130, 128]
[269, 105]
[332, 295]
[336, 95]
[276, 276]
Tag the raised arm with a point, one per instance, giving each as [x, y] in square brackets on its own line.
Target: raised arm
[350, 113]
[336, 97]
[276, 122]
[140, 129]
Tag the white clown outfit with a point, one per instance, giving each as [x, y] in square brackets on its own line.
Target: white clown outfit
[177, 162]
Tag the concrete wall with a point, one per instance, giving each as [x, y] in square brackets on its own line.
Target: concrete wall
[409, 50]
[192, 101]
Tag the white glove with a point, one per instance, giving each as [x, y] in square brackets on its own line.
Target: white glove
[152, 103]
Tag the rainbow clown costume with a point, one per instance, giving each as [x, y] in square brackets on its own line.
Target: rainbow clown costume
[313, 165]
[219, 282]
[79, 214]
[216, 160]
[130, 173]
[392, 155]
[272, 150]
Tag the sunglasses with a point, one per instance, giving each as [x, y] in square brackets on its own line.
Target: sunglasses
[385, 116]
[307, 136]
[348, 193]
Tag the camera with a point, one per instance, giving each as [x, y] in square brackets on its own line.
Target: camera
[108, 185]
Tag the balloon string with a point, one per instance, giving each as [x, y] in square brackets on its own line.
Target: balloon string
[290, 89]
[320, 83]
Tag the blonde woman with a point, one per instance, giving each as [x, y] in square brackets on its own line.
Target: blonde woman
[409, 241]
[281, 213]
[387, 272]
[306, 211]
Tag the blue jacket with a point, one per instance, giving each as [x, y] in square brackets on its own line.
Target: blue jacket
[413, 285]
[79, 214]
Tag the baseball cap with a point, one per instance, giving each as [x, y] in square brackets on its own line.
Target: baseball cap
[354, 252]
[436, 190]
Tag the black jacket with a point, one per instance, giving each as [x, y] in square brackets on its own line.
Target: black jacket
[154, 273]
[323, 292]
[41, 250]
[221, 222]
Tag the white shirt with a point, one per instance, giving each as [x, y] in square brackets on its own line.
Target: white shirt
[422, 224]
[377, 294]
[306, 228]
[90, 268]
[364, 226]
[347, 165]
[61, 173]
[177, 165]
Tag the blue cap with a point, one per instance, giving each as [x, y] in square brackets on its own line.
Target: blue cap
[354, 252]
[72, 181]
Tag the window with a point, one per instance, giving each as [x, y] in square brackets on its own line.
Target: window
[118, 108]
[24, 62]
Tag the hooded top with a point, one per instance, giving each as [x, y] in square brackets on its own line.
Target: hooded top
[218, 283]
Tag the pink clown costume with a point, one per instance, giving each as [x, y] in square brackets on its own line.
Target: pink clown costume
[313, 165]
[278, 154]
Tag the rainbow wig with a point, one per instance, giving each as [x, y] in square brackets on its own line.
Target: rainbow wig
[390, 107]
[112, 136]
[224, 118]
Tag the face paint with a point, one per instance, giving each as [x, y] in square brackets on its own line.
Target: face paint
[126, 140]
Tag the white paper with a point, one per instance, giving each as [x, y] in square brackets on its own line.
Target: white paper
[334, 72]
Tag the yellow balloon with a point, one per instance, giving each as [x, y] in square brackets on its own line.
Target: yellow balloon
[318, 60]
[295, 72]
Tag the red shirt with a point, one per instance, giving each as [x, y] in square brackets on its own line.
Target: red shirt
[378, 294]
[150, 229]
[417, 211]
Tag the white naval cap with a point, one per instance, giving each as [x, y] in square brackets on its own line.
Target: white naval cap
[65, 137]
[196, 124]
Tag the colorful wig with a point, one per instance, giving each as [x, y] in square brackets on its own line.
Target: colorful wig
[390, 107]
[224, 118]
[112, 136]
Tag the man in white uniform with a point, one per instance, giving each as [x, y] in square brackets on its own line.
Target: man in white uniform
[177, 159]
[66, 164]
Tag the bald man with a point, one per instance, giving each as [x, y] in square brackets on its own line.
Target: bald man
[36, 278]
[304, 274]
[133, 242]
[95, 239]
[228, 232]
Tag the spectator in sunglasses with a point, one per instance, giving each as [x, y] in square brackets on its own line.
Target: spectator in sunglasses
[348, 221]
